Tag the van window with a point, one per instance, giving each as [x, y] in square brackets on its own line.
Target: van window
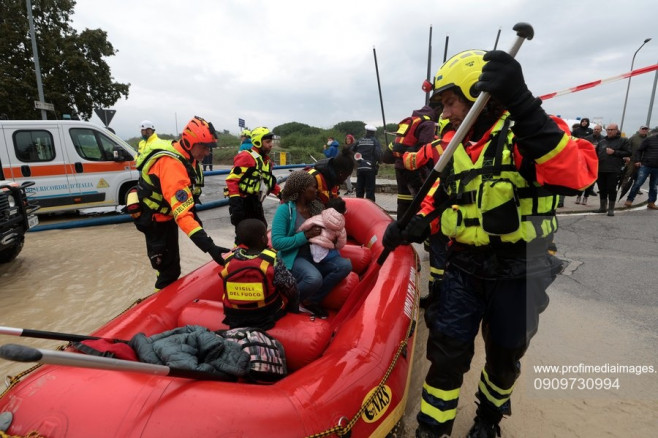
[34, 146]
[93, 145]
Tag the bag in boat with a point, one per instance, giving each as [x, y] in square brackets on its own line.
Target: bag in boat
[267, 358]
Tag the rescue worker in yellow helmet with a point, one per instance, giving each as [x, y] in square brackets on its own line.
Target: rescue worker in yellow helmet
[147, 132]
[168, 186]
[251, 178]
[496, 203]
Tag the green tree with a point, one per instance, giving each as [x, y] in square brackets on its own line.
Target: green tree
[74, 73]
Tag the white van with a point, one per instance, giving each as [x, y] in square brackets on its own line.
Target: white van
[74, 164]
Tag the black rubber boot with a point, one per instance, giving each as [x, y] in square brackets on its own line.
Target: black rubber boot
[483, 429]
[485, 424]
[611, 211]
[604, 206]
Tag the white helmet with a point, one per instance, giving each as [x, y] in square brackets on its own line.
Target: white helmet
[370, 128]
[146, 124]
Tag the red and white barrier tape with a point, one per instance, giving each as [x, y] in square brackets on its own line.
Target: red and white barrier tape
[592, 84]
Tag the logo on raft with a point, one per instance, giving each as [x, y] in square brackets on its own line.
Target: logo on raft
[376, 406]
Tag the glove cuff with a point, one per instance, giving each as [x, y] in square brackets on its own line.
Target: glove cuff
[524, 105]
[202, 241]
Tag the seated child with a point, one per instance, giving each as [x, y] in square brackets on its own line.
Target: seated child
[333, 236]
[258, 289]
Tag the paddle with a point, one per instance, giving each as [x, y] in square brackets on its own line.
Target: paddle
[21, 353]
[40, 334]
[523, 31]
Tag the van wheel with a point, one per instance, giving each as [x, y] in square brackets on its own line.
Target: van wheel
[123, 193]
[9, 254]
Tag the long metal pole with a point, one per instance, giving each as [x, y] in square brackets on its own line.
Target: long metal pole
[653, 94]
[628, 87]
[35, 53]
[381, 100]
[429, 66]
[445, 49]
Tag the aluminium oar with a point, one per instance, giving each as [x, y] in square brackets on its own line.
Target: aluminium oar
[21, 353]
[523, 31]
[57, 336]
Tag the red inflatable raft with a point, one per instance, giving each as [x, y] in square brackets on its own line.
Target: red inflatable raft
[349, 372]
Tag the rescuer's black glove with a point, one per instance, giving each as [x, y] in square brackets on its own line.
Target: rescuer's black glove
[205, 244]
[417, 229]
[502, 77]
[392, 236]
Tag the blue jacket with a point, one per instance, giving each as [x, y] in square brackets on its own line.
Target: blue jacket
[246, 145]
[332, 149]
[285, 239]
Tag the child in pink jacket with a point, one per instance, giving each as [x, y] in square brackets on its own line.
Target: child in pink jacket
[333, 236]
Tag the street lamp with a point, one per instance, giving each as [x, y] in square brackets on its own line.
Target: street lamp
[628, 87]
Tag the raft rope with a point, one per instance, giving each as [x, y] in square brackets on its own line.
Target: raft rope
[345, 430]
[33, 434]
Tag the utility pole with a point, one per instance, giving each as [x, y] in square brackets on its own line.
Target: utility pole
[35, 53]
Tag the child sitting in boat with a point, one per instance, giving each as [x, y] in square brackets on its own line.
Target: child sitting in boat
[258, 288]
[333, 235]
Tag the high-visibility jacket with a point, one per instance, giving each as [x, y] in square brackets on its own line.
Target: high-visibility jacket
[249, 283]
[250, 170]
[168, 184]
[494, 193]
[145, 144]
[427, 153]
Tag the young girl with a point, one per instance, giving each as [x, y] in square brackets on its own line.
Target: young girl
[333, 235]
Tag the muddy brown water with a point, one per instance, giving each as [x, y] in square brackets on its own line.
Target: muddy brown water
[76, 280]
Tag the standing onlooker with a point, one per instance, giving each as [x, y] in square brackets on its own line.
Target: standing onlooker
[331, 148]
[147, 131]
[594, 138]
[368, 155]
[583, 129]
[207, 161]
[636, 139]
[646, 159]
[251, 179]
[611, 151]
[245, 140]
[349, 142]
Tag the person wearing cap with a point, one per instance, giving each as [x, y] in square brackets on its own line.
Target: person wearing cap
[368, 155]
[167, 192]
[245, 140]
[251, 179]
[147, 131]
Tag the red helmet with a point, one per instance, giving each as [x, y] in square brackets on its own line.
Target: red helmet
[196, 131]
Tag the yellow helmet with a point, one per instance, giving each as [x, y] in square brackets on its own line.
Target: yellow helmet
[259, 134]
[245, 133]
[461, 71]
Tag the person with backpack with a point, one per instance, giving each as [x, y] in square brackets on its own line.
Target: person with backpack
[258, 289]
[167, 192]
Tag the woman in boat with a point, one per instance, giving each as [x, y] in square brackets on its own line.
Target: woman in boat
[314, 280]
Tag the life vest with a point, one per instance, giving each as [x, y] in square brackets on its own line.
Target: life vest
[252, 177]
[324, 191]
[249, 284]
[489, 201]
[149, 190]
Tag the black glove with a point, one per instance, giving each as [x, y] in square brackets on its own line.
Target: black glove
[417, 230]
[236, 209]
[502, 77]
[205, 244]
[216, 254]
[392, 236]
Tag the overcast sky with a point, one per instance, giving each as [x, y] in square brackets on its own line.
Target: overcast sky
[278, 61]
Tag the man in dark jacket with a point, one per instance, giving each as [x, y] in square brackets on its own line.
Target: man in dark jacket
[583, 130]
[646, 159]
[368, 155]
[611, 152]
